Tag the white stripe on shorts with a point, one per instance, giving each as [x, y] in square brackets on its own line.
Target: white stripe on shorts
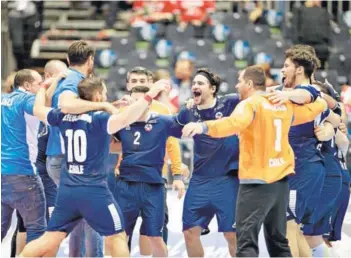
[115, 217]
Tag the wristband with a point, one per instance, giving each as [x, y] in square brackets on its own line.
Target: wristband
[204, 128]
[148, 98]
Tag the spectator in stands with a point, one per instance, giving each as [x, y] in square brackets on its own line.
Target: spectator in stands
[163, 97]
[7, 86]
[195, 12]
[181, 88]
[311, 26]
[269, 78]
[154, 11]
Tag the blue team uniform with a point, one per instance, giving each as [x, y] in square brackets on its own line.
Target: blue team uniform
[214, 184]
[21, 188]
[83, 191]
[342, 202]
[329, 193]
[140, 187]
[49, 185]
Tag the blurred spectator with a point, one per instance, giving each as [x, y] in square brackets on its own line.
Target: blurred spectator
[163, 97]
[25, 25]
[255, 11]
[7, 86]
[181, 90]
[195, 12]
[269, 78]
[311, 26]
[153, 11]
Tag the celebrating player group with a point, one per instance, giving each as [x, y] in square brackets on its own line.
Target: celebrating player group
[271, 158]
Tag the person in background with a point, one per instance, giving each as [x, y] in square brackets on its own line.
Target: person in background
[195, 12]
[270, 82]
[181, 82]
[7, 86]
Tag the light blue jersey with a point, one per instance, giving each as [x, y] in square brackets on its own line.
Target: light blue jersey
[18, 133]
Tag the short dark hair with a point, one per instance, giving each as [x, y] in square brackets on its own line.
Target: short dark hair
[255, 73]
[212, 77]
[304, 58]
[138, 70]
[88, 86]
[22, 76]
[79, 52]
[139, 89]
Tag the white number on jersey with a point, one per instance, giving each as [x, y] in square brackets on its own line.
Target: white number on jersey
[77, 145]
[137, 137]
[278, 135]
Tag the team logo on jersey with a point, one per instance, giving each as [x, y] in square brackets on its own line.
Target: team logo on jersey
[218, 115]
[148, 127]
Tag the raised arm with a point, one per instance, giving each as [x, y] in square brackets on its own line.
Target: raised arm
[71, 104]
[307, 113]
[40, 110]
[241, 118]
[342, 141]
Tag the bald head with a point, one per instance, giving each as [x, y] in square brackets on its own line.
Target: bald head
[54, 68]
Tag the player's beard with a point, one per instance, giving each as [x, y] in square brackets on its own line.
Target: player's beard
[290, 83]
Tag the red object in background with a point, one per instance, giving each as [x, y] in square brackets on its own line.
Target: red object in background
[167, 6]
[191, 10]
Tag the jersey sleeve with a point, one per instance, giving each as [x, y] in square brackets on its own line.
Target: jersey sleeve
[240, 119]
[306, 113]
[69, 86]
[29, 104]
[313, 92]
[103, 119]
[55, 116]
[182, 118]
[173, 127]
[232, 99]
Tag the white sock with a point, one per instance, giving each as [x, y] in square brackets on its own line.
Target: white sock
[321, 251]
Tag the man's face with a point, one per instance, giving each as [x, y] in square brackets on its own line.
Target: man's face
[136, 79]
[243, 87]
[90, 65]
[288, 73]
[202, 89]
[34, 86]
[100, 96]
[183, 70]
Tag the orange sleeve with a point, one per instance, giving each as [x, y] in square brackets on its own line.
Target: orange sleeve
[241, 118]
[308, 112]
[173, 151]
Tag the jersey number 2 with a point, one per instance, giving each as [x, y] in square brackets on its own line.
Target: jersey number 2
[76, 145]
[278, 135]
[137, 137]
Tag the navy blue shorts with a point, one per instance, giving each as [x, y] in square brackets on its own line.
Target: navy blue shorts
[330, 191]
[208, 197]
[144, 199]
[339, 211]
[305, 190]
[95, 204]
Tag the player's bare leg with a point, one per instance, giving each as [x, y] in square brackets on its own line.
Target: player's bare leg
[20, 242]
[118, 244]
[231, 240]
[193, 243]
[304, 248]
[145, 246]
[45, 245]
[159, 248]
[292, 234]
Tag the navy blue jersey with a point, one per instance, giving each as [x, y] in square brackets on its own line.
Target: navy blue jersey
[303, 140]
[17, 133]
[331, 159]
[43, 137]
[213, 157]
[144, 147]
[86, 142]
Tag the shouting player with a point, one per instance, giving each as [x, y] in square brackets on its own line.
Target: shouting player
[263, 169]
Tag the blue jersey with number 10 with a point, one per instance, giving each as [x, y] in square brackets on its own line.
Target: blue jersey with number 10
[86, 146]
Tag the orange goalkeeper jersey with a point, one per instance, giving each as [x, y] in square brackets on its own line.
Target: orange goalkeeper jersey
[172, 144]
[265, 153]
